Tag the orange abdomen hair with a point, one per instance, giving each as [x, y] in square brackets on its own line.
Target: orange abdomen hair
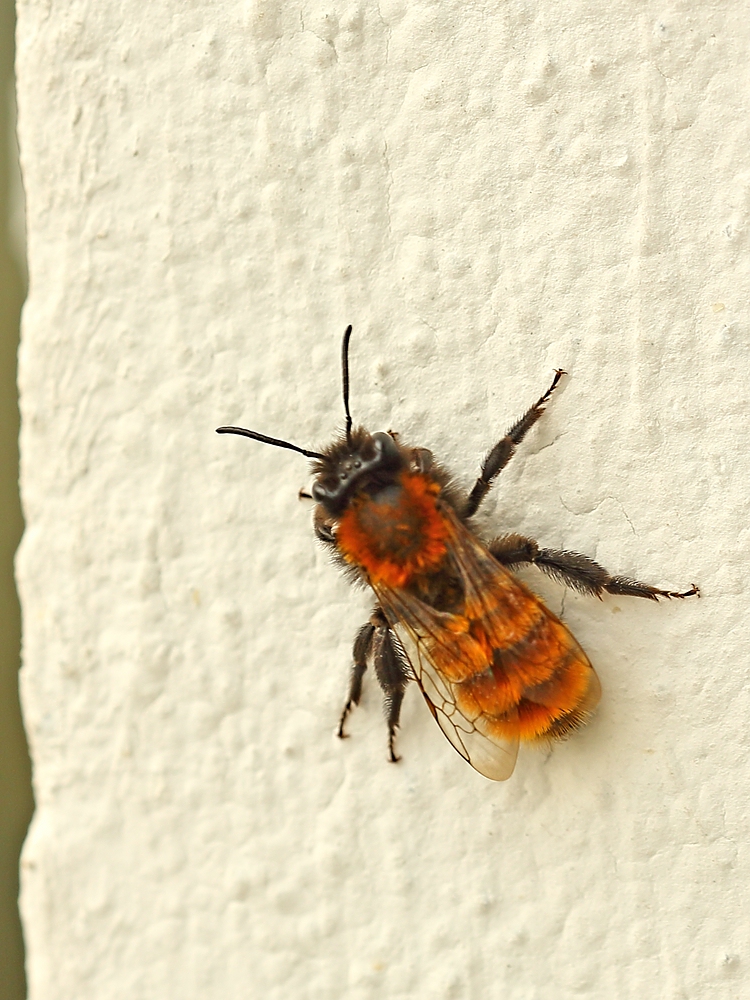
[513, 668]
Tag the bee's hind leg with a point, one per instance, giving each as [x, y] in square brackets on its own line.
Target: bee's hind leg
[574, 570]
[393, 676]
[360, 653]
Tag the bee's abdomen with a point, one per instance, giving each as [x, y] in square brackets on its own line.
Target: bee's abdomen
[533, 680]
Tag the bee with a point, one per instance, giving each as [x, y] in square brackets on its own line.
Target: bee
[495, 666]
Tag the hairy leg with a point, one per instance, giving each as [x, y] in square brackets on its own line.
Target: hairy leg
[393, 677]
[362, 647]
[503, 451]
[574, 570]
[376, 640]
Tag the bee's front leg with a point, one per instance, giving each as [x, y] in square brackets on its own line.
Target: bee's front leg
[323, 528]
[504, 450]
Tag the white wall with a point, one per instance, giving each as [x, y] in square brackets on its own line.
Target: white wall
[487, 192]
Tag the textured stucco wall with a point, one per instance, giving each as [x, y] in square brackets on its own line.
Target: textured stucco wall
[487, 192]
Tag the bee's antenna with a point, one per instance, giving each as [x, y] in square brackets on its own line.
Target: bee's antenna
[345, 376]
[277, 442]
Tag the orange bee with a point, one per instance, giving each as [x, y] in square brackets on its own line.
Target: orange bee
[494, 664]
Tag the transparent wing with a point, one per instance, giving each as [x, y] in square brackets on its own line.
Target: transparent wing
[493, 756]
[431, 642]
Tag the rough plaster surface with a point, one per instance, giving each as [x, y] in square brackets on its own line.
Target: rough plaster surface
[487, 192]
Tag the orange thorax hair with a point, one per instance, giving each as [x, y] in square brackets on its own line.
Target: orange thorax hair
[398, 534]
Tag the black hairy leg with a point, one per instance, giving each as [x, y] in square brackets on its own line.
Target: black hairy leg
[323, 529]
[360, 654]
[504, 450]
[393, 676]
[574, 570]
[376, 639]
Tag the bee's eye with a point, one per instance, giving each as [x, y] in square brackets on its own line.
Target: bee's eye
[386, 450]
[319, 493]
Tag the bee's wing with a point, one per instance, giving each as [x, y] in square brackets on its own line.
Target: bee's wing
[419, 628]
[493, 757]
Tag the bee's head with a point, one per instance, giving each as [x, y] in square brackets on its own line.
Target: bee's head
[357, 462]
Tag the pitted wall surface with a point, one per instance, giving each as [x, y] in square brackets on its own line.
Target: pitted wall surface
[487, 192]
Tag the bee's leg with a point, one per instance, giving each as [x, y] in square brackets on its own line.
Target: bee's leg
[392, 674]
[323, 530]
[362, 649]
[503, 451]
[574, 570]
